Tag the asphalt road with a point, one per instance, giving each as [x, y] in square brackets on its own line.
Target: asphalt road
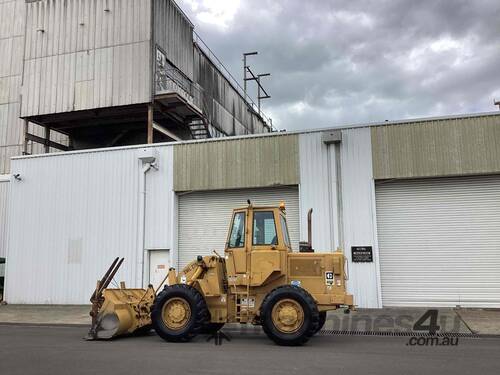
[60, 350]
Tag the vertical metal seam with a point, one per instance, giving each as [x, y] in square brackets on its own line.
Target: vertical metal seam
[340, 205]
[331, 214]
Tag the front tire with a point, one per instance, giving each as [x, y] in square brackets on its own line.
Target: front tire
[289, 316]
[179, 313]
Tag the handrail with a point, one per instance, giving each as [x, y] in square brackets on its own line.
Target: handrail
[232, 81]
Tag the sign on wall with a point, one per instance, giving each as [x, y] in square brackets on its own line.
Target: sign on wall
[362, 254]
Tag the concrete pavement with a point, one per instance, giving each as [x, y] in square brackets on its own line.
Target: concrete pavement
[59, 350]
[45, 314]
[480, 321]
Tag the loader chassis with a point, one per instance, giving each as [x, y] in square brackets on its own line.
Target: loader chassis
[258, 280]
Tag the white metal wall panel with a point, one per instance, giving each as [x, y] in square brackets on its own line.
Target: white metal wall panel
[358, 208]
[160, 202]
[317, 191]
[4, 194]
[346, 220]
[74, 213]
[86, 54]
[440, 241]
[204, 217]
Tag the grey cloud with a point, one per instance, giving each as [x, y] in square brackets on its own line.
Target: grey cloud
[338, 62]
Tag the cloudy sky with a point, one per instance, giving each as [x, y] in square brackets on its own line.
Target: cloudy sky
[344, 62]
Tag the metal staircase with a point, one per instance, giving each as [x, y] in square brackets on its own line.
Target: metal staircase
[199, 129]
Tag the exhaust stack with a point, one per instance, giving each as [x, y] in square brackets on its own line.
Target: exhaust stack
[306, 247]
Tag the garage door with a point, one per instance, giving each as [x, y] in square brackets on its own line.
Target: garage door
[439, 242]
[204, 217]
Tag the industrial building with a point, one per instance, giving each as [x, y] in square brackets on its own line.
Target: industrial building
[415, 206]
[102, 73]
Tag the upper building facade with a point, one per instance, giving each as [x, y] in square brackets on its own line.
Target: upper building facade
[100, 73]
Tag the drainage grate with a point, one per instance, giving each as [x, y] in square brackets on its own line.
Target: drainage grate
[328, 332]
[257, 331]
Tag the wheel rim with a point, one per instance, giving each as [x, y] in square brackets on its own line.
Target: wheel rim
[176, 313]
[288, 316]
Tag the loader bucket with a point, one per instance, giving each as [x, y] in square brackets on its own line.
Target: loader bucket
[119, 311]
[124, 311]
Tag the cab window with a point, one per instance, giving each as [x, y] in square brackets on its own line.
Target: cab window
[237, 238]
[264, 229]
[284, 228]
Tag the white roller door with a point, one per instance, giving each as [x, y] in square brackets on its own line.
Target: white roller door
[439, 241]
[204, 217]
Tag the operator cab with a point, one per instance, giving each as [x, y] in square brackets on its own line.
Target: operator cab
[259, 228]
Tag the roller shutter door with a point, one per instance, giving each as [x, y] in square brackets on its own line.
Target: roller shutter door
[439, 241]
[204, 217]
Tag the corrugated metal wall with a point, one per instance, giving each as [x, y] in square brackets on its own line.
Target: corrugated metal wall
[206, 215]
[239, 163]
[91, 207]
[11, 64]
[350, 221]
[459, 146]
[224, 106]
[74, 213]
[4, 200]
[161, 202]
[86, 54]
[358, 207]
[440, 241]
[318, 191]
[173, 32]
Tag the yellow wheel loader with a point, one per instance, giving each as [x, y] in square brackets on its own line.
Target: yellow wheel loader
[258, 280]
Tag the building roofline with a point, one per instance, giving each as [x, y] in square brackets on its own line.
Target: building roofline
[274, 134]
[182, 12]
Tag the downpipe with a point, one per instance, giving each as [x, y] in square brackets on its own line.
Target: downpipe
[142, 215]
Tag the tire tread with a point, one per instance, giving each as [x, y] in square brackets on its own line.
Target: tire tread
[198, 309]
[267, 307]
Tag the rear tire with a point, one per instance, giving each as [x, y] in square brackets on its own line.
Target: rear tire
[322, 320]
[289, 316]
[179, 313]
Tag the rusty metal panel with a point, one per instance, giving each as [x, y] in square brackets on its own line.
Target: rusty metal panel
[443, 147]
[86, 54]
[173, 32]
[190, 71]
[12, 13]
[221, 101]
[239, 163]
